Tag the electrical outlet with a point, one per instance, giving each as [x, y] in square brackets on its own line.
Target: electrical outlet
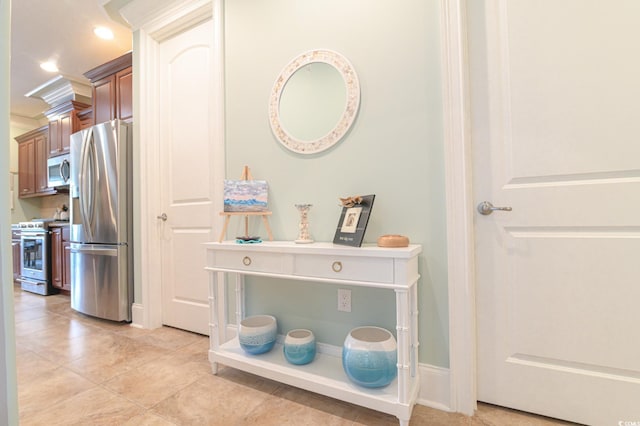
[344, 300]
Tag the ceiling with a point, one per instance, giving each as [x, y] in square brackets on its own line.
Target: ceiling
[61, 30]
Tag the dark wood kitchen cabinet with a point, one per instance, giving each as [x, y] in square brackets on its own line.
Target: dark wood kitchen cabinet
[32, 163]
[112, 89]
[86, 118]
[63, 121]
[60, 258]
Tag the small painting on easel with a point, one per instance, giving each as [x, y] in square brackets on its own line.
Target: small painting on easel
[245, 195]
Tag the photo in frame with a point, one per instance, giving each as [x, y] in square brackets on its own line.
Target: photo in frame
[353, 221]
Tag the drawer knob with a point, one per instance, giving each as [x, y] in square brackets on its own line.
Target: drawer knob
[246, 261]
[337, 266]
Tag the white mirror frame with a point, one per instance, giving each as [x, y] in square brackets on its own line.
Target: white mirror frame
[352, 84]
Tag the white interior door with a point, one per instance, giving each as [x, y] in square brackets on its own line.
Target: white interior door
[555, 87]
[186, 159]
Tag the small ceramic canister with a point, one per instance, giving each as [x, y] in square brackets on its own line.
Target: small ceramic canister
[300, 346]
[257, 334]
[369, 356]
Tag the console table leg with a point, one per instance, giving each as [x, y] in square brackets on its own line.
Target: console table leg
[403, 329]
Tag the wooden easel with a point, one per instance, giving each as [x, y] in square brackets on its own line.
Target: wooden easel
[246, 175]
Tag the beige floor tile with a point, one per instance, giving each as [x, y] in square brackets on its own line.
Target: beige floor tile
[31, 313]
[429, 416]
[53, 387]
[26, 327]
[492, 415]
[291, 406]
[169, 338]
[148, 419]
[24, 299]
[197, 354]
[60, 308]
[57, 346]
[155, 381]
[247, 379]
[31, 367]
[100, 324]
[93, 407]
[214, 400]
[62, 325]
[112, 356]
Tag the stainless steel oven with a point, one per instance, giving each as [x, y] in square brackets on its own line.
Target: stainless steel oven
[35, 274]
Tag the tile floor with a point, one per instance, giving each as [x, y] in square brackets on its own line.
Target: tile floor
[76, 370]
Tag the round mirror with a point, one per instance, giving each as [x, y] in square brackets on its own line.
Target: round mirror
[314, 101]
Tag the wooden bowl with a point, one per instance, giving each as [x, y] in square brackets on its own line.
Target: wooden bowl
[393, 241]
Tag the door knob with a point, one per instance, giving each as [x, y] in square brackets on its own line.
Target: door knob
[163, 216]
[486, 208]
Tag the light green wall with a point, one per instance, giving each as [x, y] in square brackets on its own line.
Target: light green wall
[394, 150]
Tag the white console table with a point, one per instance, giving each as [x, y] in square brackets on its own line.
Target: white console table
[368, 266]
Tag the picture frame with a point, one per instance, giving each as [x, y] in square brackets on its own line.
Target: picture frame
[353, 222]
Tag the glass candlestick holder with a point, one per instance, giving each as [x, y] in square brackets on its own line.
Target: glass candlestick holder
[303, 236]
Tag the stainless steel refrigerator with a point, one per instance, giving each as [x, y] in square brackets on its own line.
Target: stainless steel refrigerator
[101, 221]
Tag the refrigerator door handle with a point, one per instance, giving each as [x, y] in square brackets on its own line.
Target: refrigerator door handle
[100, 251]
[86, 187]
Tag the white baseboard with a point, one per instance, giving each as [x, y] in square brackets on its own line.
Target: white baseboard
[137, 315]
[435, 387]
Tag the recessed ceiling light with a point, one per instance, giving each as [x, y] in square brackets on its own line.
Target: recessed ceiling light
[49, 66]
[103, 32]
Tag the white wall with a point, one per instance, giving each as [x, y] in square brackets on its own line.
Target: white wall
[395, 149]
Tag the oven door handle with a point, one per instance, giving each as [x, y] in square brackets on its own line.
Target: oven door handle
[22, 280]
[33, 234]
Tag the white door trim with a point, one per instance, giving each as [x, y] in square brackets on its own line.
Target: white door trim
[460, 210]
[152, 22]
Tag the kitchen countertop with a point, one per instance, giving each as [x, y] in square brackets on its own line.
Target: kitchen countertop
[58, 224]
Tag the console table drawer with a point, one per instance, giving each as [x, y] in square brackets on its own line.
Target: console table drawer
[252, 261]
[379, 270]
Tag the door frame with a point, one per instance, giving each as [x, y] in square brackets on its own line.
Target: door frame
[153, 23]
[459, 207]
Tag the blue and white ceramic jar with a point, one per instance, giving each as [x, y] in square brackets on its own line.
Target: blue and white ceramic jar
[299, 346]
[369, 357]
[257, 334]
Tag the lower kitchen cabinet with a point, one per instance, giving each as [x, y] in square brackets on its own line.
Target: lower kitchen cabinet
[60, 258]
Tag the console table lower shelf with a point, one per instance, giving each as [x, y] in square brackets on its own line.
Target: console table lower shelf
[324, 375]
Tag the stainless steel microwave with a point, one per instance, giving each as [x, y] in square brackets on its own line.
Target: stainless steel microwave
[58, 171]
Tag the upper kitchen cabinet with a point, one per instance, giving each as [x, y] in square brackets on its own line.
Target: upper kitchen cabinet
[112, 90]
[32, 163]
[63, 121]
[85, 118]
